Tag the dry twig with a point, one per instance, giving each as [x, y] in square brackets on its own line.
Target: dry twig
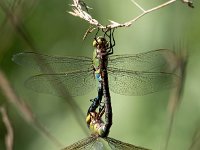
[10, 134]
[79, 12]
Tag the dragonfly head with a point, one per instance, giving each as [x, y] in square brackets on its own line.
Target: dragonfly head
[101, 43]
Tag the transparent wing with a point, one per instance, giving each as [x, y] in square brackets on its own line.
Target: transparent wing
[98, 146]
[52, 64]
[139, 82]
[161, 60]
[75, 83]
[119, 145]
[84, 144]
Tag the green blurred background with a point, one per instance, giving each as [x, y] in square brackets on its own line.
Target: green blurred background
[137, 120]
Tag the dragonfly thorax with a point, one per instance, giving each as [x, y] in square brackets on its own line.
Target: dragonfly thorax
[101, 46]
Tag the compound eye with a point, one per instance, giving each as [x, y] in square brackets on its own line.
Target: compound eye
[95, 43]
[99, 42]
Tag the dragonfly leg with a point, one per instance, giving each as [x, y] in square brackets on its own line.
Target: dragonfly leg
[101, 110]
[111, 41]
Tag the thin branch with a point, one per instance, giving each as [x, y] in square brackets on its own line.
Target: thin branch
[129, 23]
[10, 134]
[79, 12]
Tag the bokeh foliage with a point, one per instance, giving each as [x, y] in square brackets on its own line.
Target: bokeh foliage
[137, 120]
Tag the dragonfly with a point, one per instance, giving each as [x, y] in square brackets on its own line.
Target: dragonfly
[137, 74]
[97, 127]
[77, 76]
[129, 74]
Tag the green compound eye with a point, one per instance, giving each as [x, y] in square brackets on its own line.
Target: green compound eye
[94, 43]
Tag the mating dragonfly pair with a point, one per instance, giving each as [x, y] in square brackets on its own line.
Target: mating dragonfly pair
[138, 74]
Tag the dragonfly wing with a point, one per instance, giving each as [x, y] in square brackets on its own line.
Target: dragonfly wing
[98, 146]
[119, 145]
[161, 60]
[139, 82]
[75, 83]
[51, 64]
[84, 144]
